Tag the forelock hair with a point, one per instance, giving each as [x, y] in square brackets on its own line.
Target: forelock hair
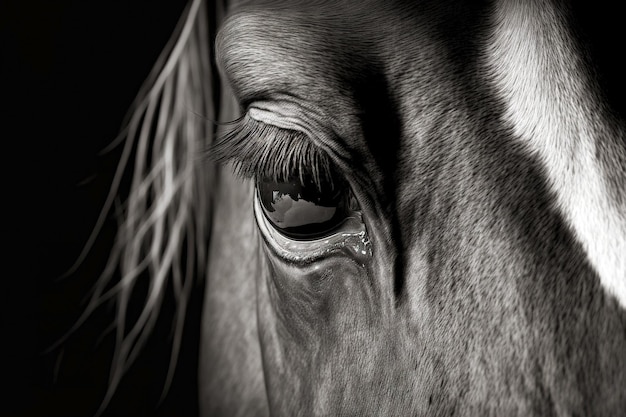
[164, 225]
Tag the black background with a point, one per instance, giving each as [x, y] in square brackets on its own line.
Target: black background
[70, 70]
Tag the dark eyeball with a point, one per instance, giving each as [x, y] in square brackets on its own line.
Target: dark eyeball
[302, 209]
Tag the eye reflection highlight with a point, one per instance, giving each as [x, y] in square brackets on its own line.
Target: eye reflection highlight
[301, 209]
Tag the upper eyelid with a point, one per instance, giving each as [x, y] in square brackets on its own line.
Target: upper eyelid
[258, 148]
[232, 137]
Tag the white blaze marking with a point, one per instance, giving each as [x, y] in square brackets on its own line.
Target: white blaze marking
[552, 106]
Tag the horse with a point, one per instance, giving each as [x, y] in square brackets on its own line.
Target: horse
[399, 208]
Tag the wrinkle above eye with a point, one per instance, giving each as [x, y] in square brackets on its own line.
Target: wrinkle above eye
[288, 114]
[283, 115]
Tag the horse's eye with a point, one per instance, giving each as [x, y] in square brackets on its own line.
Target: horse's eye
[302, 209]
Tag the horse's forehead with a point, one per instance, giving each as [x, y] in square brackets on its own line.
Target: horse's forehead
[287, 49]
[340, 59]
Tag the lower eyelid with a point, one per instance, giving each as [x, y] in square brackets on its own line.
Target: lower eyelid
[350, 239]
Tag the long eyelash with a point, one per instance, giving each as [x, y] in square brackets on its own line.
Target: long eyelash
[260, 149]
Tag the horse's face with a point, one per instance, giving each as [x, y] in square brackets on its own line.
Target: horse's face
[454, 284]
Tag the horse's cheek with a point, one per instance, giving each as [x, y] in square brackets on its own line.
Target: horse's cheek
[312, 320]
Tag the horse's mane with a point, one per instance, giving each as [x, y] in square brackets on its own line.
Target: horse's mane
[164, 225]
